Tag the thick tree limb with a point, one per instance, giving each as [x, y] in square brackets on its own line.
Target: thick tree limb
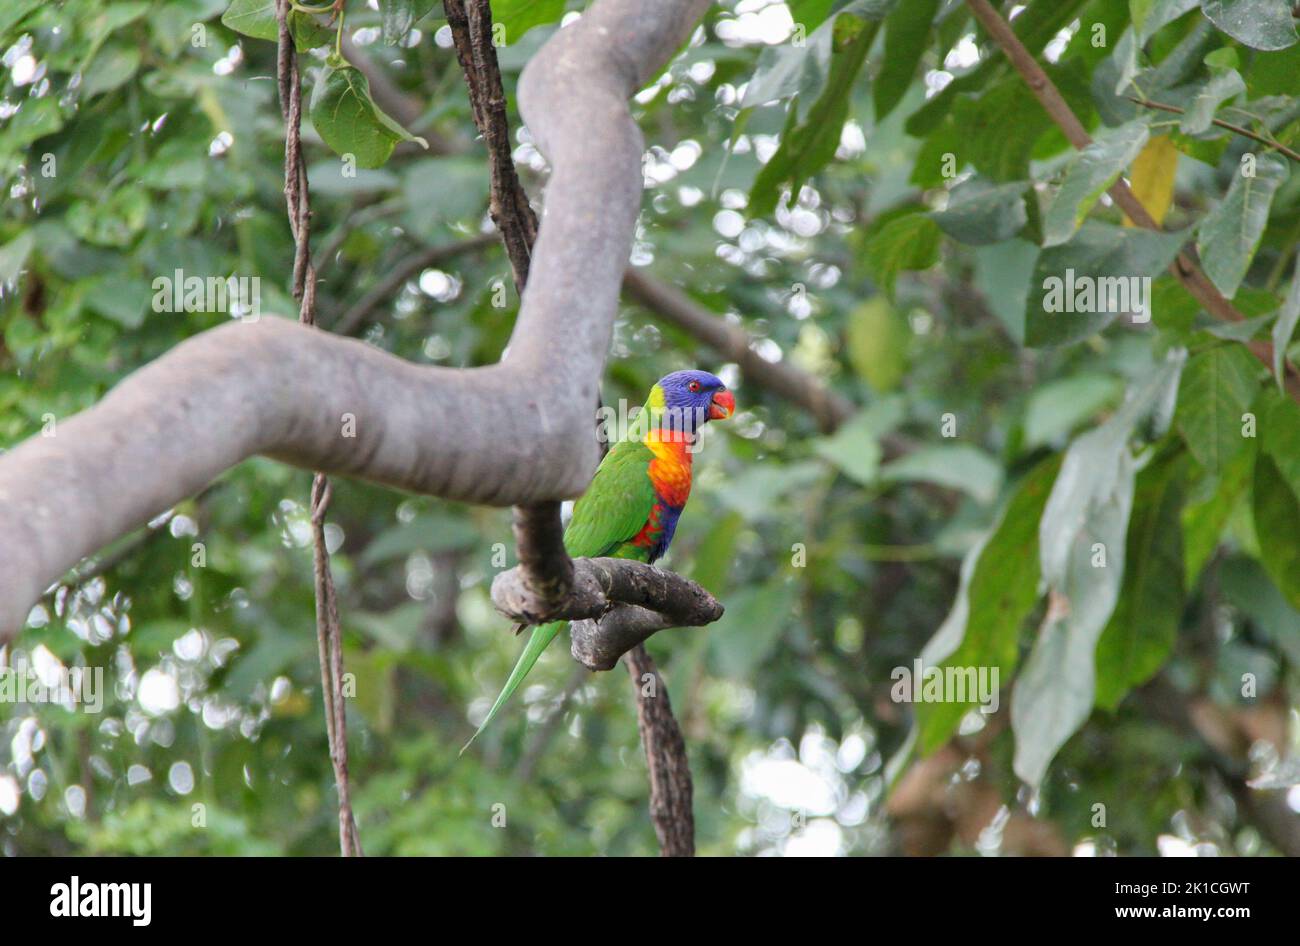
[615, 604]
[516, 432]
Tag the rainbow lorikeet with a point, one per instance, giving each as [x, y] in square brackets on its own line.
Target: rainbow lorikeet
[631, 508]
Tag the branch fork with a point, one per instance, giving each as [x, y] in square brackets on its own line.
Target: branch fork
[614, 604]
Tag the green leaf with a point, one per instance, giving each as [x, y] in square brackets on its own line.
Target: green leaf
[980, 212]
[1279, 434]
[1204, 519]
[1230, 233]
[1150, 15]
[713, 557]
[122, 298]
[428, 533]
[172, 24]
[256, 18]
[809, 14]
[1247, 586]
[853, 449]
[442, 190]
[908, 242]
[753, 492]
[907, 33]
[113, 221]
[878, 340]
[803, 68]
[1277, 510]
[349, 121]
[1056, 408]
[955, 466]
[15, 11]
[1260, 24]
[1081, 539]
[805, 149]
[1089, 176]
[1003, 273]
[1000, 126]
[1216, 90]
[517, 17]
[1002, 590]
[13, 256]
[787, 70]
[1078, 288]
[35, 119]
[112, 67]
[750, 628]
[398, 16]
[1217, 389]
[1284, 328]
[1141, 632]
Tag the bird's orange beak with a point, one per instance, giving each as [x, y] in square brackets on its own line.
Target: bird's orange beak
[723, 406]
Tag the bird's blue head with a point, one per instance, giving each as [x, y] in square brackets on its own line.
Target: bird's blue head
[686, 400]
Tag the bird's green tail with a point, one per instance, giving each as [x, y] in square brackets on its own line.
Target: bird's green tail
[542, 635]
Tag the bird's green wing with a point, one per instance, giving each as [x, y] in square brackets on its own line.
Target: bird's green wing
[616, 505]
[613, 510]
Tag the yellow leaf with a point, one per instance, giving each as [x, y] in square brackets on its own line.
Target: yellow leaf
[1152, 177]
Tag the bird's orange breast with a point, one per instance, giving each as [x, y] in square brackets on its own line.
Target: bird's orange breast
[670, 470]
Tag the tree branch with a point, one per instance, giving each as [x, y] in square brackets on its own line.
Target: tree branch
[618, 601]
[516, 432]
[1183, 268]
[671, 792]
[1236, 129]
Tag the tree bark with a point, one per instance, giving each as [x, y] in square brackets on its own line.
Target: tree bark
[671, 790]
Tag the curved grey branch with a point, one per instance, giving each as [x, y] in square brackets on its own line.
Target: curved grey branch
[516, 432]
[613, 604]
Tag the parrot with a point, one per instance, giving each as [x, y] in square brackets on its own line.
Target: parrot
[632, 506]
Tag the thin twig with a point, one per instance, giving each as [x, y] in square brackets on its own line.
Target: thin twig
[1237, 129]
[328, 634]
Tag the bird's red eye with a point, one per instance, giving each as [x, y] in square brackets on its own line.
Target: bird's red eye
[694, 387]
